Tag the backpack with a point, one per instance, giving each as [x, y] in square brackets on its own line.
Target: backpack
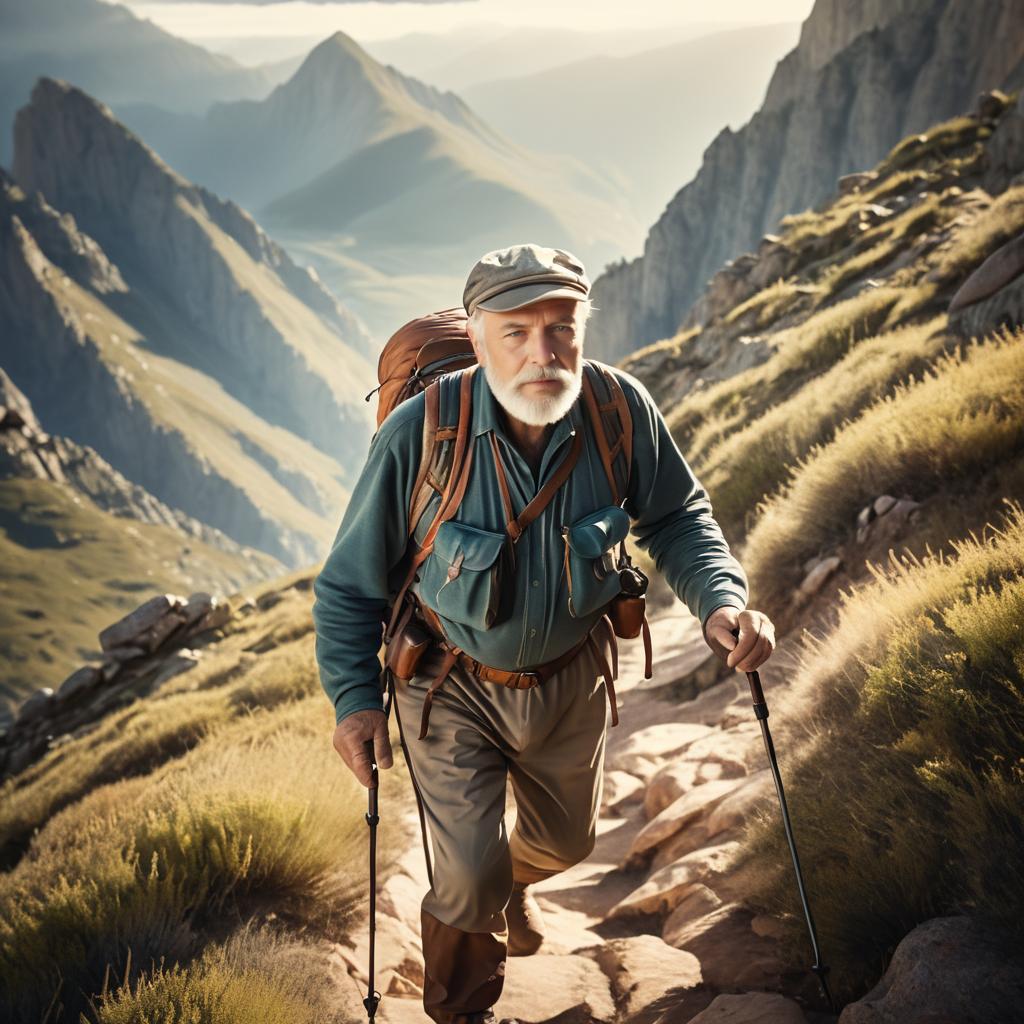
[413, 359]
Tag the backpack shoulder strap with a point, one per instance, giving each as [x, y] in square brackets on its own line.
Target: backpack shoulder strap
[444, 469]
[612, 425]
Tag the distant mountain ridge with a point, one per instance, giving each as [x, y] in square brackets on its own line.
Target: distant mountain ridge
[207, 367]
[354, 146]
[862, 77]
[111, 53]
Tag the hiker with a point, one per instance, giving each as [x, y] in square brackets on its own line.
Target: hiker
[514, 612]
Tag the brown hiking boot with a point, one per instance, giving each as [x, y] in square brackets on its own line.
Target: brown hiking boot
[525, 922]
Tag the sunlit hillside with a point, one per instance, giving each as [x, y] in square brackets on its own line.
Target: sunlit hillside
[852, 397]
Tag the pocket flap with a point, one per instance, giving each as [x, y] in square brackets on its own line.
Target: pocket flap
[479, 548]
[594, 534]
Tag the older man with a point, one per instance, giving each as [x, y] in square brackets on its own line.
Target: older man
[527, 307]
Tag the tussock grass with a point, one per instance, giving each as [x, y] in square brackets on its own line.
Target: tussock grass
[673, 346]
[938, 142]
[756, 460]
[263, 809]
[964, 416]
[884, 243]
[255, 976]
[907, 795]
[139, 738]
[807, 349]
[769, 303]
[1002, 220]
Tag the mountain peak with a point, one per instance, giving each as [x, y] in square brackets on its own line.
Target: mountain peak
[336, 51]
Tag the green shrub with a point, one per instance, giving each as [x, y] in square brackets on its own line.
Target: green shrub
[907, 794]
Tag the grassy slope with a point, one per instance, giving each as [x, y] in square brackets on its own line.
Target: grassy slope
[106, 566]
[185, 399]
[904, 726]
[212, 824]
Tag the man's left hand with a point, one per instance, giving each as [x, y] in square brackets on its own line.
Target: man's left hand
[756, 640]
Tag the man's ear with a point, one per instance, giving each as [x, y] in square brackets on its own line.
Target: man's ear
[478, 347]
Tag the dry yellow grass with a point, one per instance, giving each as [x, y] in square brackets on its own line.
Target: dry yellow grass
[964, 416]
[755, 461]
[704, 418]
[261, 810]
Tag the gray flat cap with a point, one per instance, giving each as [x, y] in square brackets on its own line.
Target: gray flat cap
[520, 274]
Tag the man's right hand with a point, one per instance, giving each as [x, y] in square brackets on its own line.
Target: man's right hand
[352, 732]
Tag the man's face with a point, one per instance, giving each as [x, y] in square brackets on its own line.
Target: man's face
[533, 359]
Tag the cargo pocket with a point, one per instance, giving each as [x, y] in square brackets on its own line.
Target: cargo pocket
[464, 577]
[590, 557]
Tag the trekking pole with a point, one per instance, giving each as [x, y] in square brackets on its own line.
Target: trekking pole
[761, 712]
[372, 995]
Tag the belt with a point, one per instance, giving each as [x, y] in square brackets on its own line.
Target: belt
[516, 680]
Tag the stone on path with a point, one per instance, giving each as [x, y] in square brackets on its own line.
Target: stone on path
[731, 954]
[644, 970]
[751, 1008]
[668, 886]
[540, 987]
[689, 808]
[646, 750]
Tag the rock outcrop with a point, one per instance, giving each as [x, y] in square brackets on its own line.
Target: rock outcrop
[862, 77]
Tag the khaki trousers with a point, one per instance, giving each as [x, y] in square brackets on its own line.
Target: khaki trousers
[550, 740]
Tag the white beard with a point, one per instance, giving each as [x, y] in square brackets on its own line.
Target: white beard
[537, 412]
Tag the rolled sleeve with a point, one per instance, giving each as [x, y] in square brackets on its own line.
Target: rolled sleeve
[353, 588]
[672, 515]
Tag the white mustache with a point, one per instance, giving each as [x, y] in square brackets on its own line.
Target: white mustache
[543, 373]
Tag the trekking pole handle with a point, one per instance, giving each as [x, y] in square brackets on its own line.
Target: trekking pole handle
[756, 692]
[368, 750]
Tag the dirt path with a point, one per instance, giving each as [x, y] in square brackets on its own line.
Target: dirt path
[647, 928]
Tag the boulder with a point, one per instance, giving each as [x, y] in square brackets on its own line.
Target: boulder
[732, 956]
[80, 681]
[820, 572]
[146, 626]
[35, 708]
[543, 987]
[1006, 263]
[620, 789]
[855, 182]
[953, 970]
[668, 785]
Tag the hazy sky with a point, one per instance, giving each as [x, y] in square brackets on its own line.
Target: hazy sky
[365, 21]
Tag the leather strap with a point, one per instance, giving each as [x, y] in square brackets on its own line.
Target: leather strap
[422, 490]
[518, 524]
[451, 498]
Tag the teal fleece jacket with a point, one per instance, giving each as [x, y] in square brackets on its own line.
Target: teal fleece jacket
[560, 584]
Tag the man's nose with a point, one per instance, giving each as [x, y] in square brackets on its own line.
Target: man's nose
[541, 350]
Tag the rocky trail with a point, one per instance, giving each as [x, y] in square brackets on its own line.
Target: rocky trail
[649, 927]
